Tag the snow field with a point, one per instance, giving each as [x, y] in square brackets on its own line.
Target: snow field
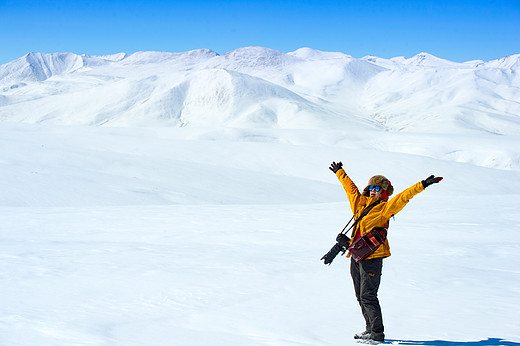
[208, 236]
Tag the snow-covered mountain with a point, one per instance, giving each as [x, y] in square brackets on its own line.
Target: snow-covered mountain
[259, 87]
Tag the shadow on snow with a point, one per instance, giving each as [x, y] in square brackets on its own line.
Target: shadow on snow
[488, 342]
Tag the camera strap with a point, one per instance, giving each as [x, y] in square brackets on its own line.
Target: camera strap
[364, 213]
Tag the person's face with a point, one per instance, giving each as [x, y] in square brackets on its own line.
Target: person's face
[374, 193]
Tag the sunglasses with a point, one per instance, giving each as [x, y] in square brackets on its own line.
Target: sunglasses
[376, 188]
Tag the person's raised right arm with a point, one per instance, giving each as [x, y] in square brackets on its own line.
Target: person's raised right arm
[349, 186]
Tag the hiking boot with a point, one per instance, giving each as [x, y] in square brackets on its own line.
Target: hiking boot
[377, 337]
[362, 336]
[368, 342]
[370, 338]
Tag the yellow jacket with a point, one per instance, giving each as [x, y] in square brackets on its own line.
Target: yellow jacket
[380, 214]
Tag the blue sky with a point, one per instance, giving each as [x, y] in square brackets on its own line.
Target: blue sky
[454, 30]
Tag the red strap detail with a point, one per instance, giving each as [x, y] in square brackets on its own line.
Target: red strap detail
[373, 239]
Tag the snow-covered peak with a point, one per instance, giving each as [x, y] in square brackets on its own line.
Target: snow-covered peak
[101, 60]
[39, 66]
[426, 60]
[252, 58]
[252, 52]
[307, 53]
[386, 63]
[151, 57]
[109, 57]
[507, 62]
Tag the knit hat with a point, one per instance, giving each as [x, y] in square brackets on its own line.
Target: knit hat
[379, 180]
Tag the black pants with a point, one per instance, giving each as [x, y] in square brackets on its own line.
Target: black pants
[366, 276]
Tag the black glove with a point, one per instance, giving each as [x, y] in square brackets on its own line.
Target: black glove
[335, 166]
[430, 180]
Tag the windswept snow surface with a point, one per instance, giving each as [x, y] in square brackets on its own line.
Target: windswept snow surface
[212, 236]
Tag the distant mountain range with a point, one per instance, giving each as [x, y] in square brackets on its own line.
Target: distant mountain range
[261, 87]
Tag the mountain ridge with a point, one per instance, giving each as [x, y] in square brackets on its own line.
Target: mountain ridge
[423, 93]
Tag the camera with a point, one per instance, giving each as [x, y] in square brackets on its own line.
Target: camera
[342, 244]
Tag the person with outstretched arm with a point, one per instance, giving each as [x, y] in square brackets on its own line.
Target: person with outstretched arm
[366, 273]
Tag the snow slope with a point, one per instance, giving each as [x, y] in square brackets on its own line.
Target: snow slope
[255, 86]
[212, 236]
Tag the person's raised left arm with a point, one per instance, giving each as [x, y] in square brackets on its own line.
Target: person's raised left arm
[397, 203]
